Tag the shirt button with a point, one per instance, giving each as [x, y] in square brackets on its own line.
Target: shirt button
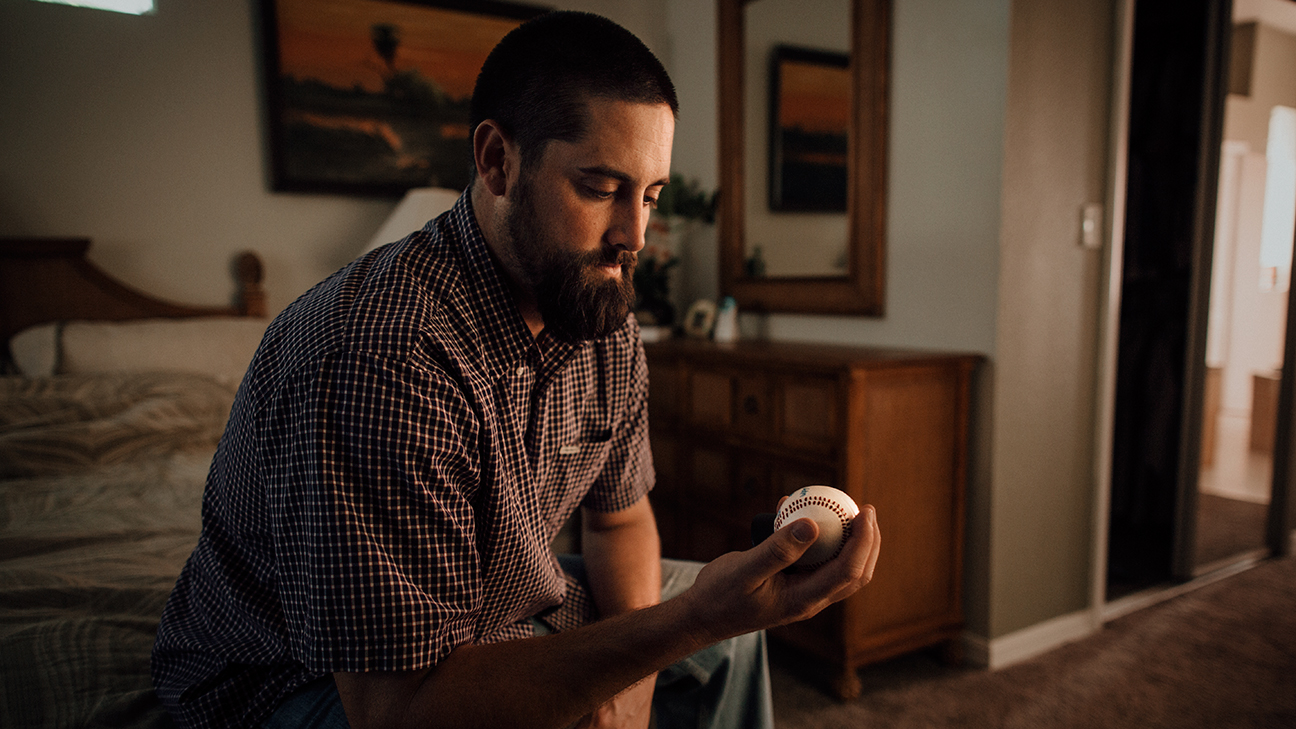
[521, 371]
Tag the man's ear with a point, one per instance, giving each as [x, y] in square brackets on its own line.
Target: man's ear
[495, 156]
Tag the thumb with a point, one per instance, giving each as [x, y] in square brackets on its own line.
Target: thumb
[784, 547]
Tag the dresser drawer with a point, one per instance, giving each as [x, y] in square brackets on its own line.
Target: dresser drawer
[798, 412]
[729, 401]
[809, 414]
[710, 399]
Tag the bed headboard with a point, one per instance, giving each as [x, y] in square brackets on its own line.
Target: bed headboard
[49, 279]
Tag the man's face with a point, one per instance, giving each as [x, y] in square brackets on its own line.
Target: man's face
[578, 215]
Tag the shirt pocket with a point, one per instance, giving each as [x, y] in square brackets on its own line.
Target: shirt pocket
[579, 461]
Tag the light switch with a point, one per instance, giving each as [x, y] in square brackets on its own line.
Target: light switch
[1091, 217]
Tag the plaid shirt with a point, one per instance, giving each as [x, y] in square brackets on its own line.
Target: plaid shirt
[399, 457]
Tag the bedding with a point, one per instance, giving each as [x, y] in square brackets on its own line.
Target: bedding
[101, 479]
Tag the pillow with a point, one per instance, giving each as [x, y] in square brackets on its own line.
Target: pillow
[35, 350]
[220, 347]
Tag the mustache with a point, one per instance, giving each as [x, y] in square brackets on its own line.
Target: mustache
[625, 259]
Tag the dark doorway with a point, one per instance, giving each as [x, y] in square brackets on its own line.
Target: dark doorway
[1175, 130]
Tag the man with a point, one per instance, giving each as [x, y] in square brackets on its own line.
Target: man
[413, 431]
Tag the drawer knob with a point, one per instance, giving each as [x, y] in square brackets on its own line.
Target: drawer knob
[751, 405]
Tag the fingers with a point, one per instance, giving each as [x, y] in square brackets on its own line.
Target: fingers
[853, 567]
[783, 548]
[875, 544]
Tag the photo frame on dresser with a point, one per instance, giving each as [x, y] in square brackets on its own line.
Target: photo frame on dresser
[371, 97]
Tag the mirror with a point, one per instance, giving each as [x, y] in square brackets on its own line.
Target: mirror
[795, 127]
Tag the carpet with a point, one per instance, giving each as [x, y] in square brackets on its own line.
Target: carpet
[1228, 527]
[1221, 656]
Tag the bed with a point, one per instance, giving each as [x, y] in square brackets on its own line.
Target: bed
[111, 406]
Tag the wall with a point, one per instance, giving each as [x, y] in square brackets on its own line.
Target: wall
[1273, 81]
[949, 66]
[146, 134]
[1250, 326]
[1048, 301]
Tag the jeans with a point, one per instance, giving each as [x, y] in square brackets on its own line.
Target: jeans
[725, 686]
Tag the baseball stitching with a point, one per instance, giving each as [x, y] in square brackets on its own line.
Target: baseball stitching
[832, 506]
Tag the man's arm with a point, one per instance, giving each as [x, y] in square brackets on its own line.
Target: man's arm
[622, 558]
[552, 680]
[622, 554]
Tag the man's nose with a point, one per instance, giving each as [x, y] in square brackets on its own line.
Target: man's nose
[629, 223]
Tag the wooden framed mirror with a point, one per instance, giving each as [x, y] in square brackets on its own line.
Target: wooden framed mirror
[807, 260]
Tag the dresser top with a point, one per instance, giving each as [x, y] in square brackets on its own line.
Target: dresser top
[801, 354]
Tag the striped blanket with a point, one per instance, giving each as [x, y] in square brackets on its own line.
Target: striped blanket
[101, 482]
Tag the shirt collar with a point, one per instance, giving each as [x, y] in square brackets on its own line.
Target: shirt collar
[505, 337]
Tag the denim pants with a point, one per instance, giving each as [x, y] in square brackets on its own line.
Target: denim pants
[725, 686]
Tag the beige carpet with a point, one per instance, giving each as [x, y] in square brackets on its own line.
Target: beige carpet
[1221, 656]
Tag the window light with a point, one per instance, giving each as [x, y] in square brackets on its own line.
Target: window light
[134, 7]
[1279, 225]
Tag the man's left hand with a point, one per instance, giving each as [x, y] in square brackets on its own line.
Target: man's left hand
[630, 709]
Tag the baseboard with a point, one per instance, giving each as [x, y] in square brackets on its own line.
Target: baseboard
[1027, 643]
[976, 650]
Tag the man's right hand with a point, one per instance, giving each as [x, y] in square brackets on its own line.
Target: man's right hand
[742, 592]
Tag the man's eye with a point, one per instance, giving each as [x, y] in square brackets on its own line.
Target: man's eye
[601, 194]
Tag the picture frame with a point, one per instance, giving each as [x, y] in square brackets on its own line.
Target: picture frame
[371, 97]
[810, 110]
[699, 319]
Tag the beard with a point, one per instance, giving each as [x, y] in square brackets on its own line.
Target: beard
[577, 301]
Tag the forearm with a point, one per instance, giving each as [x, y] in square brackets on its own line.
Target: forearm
[538, 682]
[623, 569]
[553, 680]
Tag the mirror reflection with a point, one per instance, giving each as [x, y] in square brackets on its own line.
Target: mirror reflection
[797, 111]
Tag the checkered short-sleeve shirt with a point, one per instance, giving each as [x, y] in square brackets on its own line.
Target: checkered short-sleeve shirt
[399, 457]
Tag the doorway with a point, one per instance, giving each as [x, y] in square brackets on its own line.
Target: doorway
[1251, 275]
[1184, 498]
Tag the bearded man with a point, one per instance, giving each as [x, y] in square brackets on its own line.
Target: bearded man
[414, 430]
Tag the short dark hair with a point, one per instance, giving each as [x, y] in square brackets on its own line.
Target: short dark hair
[537, 80]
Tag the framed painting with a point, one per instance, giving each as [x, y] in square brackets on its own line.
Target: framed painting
[810, 108]
[372, 97]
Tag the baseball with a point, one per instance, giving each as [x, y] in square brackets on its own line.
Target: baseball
[828, 507]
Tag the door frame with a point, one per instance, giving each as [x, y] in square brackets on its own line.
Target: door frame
[1280, 537]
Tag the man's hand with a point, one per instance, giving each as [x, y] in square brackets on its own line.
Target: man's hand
[741, 592]
[630, 709]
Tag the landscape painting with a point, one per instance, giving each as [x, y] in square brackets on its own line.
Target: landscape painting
[372, 96]
[810, 105]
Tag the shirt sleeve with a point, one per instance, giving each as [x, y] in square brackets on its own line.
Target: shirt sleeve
[627, 475]
[369, 492]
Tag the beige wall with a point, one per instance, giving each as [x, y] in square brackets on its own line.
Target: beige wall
[1055, 161]
[146, 134]
[1273, 81]
[1247, 323]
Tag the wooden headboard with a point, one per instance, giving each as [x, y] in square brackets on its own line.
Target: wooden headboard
[49, 279]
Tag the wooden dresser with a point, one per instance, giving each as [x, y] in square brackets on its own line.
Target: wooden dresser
[734, 427]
